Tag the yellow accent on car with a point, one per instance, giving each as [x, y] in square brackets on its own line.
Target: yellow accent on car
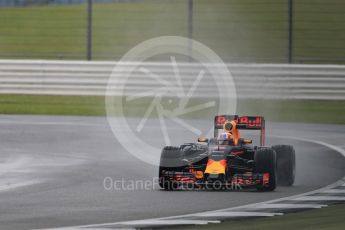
[216, 167]
[199, 174]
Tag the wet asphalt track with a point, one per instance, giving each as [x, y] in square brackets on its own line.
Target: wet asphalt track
[57, 165]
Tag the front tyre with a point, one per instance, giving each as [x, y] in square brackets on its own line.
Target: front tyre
[171, 160]
[265, 162]
[286, 164]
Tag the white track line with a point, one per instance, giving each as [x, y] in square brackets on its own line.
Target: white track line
[289, 206]
[142, 223]
[237, 214]
[167, 222]
[320, 198]
[336, 191]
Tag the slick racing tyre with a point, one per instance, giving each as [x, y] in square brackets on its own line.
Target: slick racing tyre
[171, 160]
[172, 156]
[265, 162]
[286, 164]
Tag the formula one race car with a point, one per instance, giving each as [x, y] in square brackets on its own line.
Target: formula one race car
[227, 160]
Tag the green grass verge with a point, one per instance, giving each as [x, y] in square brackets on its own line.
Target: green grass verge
[52, 105]
[237, 30]
[273, 110]
[330, 218]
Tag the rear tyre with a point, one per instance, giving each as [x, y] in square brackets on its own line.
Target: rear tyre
[286, 164]
[171, 160]
[265, 162]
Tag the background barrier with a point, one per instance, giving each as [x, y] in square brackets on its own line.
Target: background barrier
[261, 81]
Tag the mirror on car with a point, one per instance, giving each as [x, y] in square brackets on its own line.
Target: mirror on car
[202, 139]
[247, 141]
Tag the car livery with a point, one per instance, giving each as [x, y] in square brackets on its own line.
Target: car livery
[227, 160]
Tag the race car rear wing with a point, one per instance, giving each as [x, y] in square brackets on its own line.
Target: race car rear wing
[243, 122]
